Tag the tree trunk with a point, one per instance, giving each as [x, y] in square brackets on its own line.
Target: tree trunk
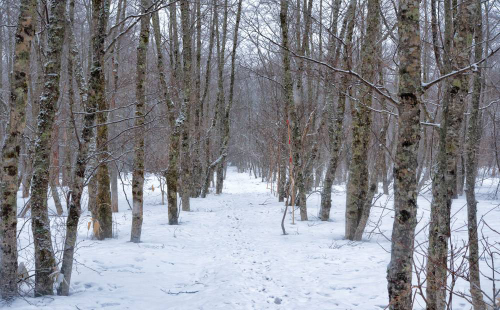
[85, 143]
[358, 182]
[97, 92]
[219, 108]
[56, 198]
[225, 118]
[197, 170]
[293, 120]
[187, 58]
[138, 173]
[473, 140]
[399, 271]
[444, 181]
[45, 263]
[173, 153]
[336, 120]
[115, 60]
[10, 151]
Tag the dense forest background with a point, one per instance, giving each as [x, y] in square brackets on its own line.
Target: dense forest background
[390, 98]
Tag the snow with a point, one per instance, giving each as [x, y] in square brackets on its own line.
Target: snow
[229, 253]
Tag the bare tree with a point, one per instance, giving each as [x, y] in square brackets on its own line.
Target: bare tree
[472, 145]
[11, 147]
[45, 263]
[358, 201]
[444, 181]
[97, 92]
[399, 271]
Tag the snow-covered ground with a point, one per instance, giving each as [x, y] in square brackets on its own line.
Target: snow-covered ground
[229, 253]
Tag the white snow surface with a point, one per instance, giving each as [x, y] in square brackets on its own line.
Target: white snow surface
[229, 253]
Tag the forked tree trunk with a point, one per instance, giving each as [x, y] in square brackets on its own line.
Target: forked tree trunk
[10, 151]
[87, 139]
[45, 263]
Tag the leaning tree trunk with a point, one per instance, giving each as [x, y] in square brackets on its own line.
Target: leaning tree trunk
[472, 146]
[399, 271]
[173, 153]
[103, 212]
[10, 151]
[358, 182]
[45, 263]
[85, 142]
[138, 173]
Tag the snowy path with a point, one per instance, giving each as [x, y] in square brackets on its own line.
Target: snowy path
[228, 253]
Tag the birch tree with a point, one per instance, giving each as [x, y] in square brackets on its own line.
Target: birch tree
[472, 146]
[444, 181]
[45, 264]
[399, 271]
[138, 172]
[87, 137]
[357, 186]
[11, 148]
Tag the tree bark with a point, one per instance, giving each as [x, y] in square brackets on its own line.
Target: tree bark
[84, 145]
[115, 61]
[444, 181]
[288, 94]
[225, 118]
[473, 140]
[336, 120]
[358, 182]
[187, 58]
[173, 153]
[138, 173]
[10, 151]
[198, 113]
[221, 99]
[399, 271]
[97, 92]
[45, 263]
